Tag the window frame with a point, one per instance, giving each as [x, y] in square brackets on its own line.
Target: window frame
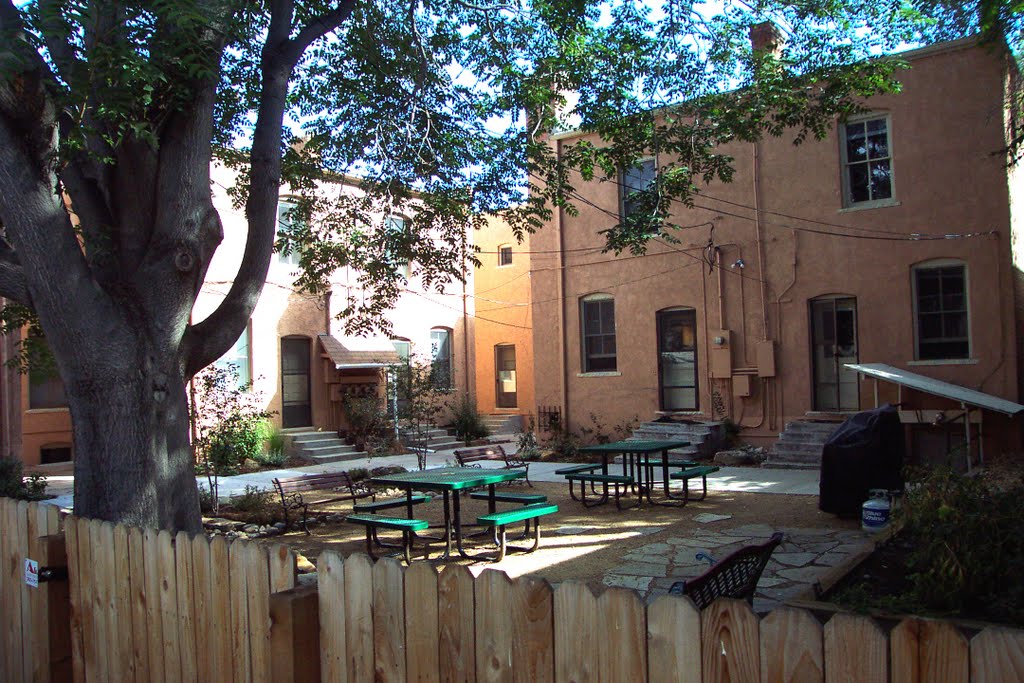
[934, 265]
[439, 381]
[294, 257]
[399, 222]
[624, 213]
[587, 365]
[232, 357]
[503, 250]
[845, 163]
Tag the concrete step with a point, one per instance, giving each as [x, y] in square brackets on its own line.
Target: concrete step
[799, 449]
[323, 459]
[786, 465]
[803, 427]
[340, 448]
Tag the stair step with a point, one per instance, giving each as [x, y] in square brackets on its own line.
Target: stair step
[338, 457]
[339, 449]
[787, 465]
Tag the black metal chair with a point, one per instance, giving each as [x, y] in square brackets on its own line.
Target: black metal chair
[735, 576]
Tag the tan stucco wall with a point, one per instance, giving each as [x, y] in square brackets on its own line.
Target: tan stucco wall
[503, 316]
[945, 127]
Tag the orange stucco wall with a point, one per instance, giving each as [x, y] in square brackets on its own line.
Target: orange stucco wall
[503, 317]
[946, 130]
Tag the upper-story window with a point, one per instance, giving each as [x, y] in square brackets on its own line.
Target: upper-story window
[636, 178]
[597, 317]
[238, 359]
[399, 225]
[403, 347]
[286, 220]
[867, 161]
[505, 255]
[940, 311]
[441, 357]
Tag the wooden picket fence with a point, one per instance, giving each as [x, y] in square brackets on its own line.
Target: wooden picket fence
[141, 605]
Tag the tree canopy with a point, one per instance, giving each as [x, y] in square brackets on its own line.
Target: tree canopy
[112, 112]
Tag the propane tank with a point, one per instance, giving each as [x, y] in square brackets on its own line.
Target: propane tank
[876, 510]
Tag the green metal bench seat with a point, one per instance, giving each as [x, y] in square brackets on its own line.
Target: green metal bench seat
[406, 526]
[617, 482]
[686, 475]
[525, 513]
[589, 467]
[390, 503]
[523, 498]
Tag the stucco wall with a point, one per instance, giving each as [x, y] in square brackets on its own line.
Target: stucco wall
[946, 131]
[503, 316]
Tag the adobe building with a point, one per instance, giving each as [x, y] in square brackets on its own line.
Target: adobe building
[503, 323]
[888, 242]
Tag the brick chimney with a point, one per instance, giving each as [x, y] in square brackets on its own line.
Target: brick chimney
[765, 37]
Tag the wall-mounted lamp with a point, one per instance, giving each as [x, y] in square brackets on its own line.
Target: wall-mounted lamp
[718, 341]
[738, 263]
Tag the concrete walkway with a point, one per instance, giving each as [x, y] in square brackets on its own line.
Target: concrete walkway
[740, 479]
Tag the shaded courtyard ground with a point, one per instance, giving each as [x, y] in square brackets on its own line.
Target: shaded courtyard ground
[645, 549]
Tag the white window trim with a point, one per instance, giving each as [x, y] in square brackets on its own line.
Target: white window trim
[844, 176]
[928, 265]
[511, 260]
[291, 259]
[405, 268]
[622, 183]
[589, 298]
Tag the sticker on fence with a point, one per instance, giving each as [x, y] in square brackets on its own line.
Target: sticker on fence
[31, 573]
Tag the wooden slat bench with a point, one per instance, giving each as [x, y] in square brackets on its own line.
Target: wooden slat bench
[689, 473]
[374, 522]
[500, 520]
[333, 486]
[471, 457]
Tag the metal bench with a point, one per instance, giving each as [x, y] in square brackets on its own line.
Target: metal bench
[735, 576]
[686, 475]
[374, 522]
[616, 481]
[500, 520]
[390, 503]
[521, 498]
[295, 492]
[471, 457]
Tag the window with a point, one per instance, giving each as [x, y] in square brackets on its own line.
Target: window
[403, 347]
[286, 221]
[635, 179]
[940, 299]
[49, 455]
[45, 387]
[598, 321]
[398, 226]
[505, 255]
[867, 161]
[441, 358]
[237, 358]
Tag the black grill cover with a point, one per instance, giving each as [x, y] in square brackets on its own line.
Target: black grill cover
[865, 452]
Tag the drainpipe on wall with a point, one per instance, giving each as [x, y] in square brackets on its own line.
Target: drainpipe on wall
[465, 322]
[561, 308]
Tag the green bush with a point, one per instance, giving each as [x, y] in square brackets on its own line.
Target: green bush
[254, 501]
[968, 545]
[13, 483]
[206, 505]
[466, 421]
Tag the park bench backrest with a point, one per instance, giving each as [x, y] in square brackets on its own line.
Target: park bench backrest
[466, 455]
[735, 576]
[315, 482]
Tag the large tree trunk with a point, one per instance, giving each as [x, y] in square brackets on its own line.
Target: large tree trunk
[133, 459]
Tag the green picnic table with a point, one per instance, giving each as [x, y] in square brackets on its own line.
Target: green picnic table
[448, 480]
[639, 463]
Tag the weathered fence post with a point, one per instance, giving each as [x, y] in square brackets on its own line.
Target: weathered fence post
[295, 635]
[53, 553]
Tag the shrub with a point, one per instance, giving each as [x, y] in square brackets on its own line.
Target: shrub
[527, 446]
[366, 417]
[254, 501]
[968, 544]
[466, 421]
[14, 485]
[206, 505]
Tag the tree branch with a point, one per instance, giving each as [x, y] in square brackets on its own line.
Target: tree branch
[57, 38]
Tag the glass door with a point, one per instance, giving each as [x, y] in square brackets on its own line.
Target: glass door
[833, 344]
[296, 410]
[505, 375]
[677, 359]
